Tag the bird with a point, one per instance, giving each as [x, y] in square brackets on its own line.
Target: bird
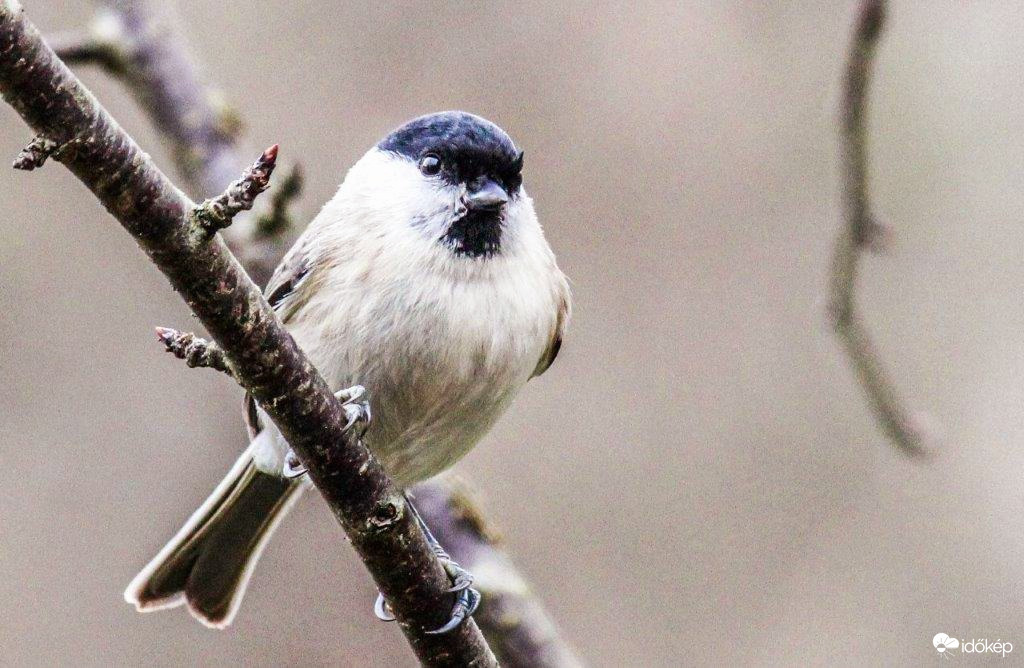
[426, 294]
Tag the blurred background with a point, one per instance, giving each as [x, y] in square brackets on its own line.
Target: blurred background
[698, 479]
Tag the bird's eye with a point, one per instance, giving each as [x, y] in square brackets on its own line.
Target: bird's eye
[430, 164]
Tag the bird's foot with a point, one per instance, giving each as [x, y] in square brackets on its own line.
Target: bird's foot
[293, 468]
[357, 409]
[357, 415]
[467, 599]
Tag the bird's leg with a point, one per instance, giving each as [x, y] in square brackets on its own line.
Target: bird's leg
[467, 599]
[357, 414]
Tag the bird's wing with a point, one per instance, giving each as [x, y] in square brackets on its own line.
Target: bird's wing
[252, 417]
[282, 294]
[561, 320]
[294, 268]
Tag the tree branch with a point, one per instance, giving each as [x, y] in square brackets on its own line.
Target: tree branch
[264, 357]
[859, 232]
[82, 47]
[141, 43]
[165, 80]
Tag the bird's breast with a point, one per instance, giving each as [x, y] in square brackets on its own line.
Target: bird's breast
[441, 359]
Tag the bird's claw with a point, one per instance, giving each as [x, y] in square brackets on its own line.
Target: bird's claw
[460, 577]
[293, 468]
[357, 417]
[350, 394]
[467, 599]
[383, 610]
[466, 604]
[357, 409]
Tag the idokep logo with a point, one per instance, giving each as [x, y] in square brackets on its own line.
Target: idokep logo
[945, 645]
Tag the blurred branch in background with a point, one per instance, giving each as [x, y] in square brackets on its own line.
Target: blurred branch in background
[261, 354]
[861, 232]
[519, 629]
[141, 44]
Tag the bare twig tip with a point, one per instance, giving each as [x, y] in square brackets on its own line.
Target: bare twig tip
[217, 213]
[194, 350]
[875, 237]
[166, 335]
[270, 155]
[35, 154]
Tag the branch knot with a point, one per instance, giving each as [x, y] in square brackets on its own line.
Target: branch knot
[386, 514]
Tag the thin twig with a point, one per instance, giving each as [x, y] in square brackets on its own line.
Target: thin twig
[265, 358]
[858, 234]
[35, 154]
[217, 212]
[194, 350]
[87, 47]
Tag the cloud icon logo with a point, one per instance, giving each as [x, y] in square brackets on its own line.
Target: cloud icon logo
[943, 642]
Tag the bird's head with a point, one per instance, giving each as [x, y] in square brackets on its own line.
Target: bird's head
[453, 177]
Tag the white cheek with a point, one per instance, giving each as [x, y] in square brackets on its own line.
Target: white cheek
[521, 231]
[436, 206]
[394, 197]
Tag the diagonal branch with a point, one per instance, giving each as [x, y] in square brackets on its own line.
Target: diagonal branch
[859, 232]
[264, 357]
[155, 64]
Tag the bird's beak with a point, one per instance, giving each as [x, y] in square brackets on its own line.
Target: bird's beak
[485, 195]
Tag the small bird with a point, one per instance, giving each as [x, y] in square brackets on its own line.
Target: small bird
[424, 287]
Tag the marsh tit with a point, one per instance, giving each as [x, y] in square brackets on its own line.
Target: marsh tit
[425, 280]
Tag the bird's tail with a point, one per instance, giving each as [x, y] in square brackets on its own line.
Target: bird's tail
[207, 565]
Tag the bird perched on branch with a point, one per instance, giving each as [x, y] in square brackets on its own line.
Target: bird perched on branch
[425, 287]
